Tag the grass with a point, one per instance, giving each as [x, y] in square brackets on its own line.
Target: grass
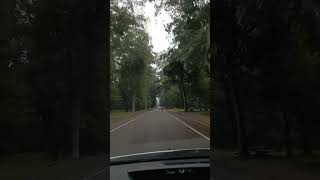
[178, 110]
[116, 115]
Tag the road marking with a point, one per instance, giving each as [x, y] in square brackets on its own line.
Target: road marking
[154, 152]
[128, 122]
[131, 121]
[207, 138]
[203, 123]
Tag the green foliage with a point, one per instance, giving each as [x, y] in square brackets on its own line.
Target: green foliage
[270, 56]
[187, 64]
[54, 72]
[171, 98]
[131, 73]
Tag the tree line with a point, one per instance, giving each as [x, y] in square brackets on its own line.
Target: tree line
[54, 78]
[134, 80]
[185, 75]
[265, 75]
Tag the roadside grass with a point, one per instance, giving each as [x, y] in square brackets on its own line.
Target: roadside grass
[116, 115]
[195, 110]
[178, 110]
[204, 113]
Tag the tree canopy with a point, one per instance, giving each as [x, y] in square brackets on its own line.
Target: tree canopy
[131, 73]
[187, 60]
[266, 56]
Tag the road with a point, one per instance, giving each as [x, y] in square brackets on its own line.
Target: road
[157, 130]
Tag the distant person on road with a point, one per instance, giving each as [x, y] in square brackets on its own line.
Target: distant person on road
[161, 108]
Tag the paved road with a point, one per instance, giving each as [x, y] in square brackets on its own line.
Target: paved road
[157, 130]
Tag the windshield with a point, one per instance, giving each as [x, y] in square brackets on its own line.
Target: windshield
[159, 76]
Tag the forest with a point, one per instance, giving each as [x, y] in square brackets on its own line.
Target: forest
[59, 81]
[265, 76]
[254, 64]
[178, 76]
[54, 77]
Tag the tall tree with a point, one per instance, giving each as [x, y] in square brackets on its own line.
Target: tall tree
[272, 45]
[190, 27]
[131, 52]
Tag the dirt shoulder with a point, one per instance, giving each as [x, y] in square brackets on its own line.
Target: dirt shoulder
[198, 120]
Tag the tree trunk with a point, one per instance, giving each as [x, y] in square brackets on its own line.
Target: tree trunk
[238, 115]
[181, 97]
[50, 130]
[186, 100]
[306, 143]
[183, 101]
[185, 106]
[199, 104]
[232, 112]
[242, 134]
[103, 10]
[287, 129]
[133, 103]
[145, 95]
[165, 98]
[75, 128]
[75, 103]
[307, 150]
[78, 55]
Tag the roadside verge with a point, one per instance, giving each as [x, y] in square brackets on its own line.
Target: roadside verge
[118, 120]
[200, 122]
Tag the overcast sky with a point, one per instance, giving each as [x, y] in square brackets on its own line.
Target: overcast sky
[159, 37]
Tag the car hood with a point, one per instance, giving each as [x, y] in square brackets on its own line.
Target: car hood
[196, 153]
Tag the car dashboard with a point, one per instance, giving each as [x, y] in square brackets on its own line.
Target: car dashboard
[168, 170]
[186, 168]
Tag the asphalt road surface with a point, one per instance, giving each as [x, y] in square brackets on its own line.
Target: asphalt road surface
[157, 130]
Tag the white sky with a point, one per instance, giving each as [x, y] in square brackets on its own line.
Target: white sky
[155, 26]
[160, 39]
